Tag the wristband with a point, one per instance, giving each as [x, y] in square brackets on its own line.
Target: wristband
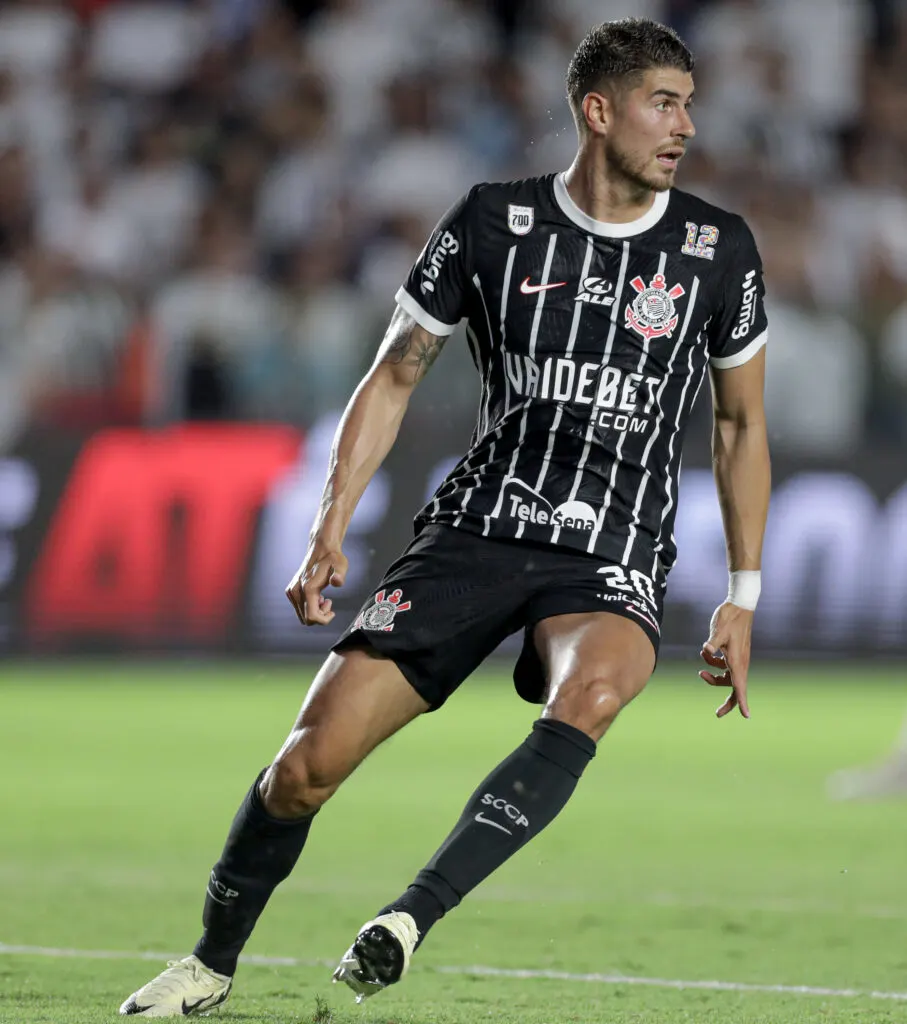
[744, 587]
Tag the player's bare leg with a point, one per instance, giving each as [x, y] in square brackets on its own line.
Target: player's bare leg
[357, 700]
[594, 664]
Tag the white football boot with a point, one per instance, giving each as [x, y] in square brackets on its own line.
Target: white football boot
[187, 986]
[380, 955]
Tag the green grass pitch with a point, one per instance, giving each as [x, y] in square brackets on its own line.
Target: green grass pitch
[694, 850]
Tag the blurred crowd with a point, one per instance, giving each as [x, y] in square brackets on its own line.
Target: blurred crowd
[206, 206]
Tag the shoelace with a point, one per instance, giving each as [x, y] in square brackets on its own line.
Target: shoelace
[193, 967]
[173, 980]
[412, 932]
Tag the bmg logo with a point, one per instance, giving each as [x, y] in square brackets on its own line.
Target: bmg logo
[747, 312]
[447, 246]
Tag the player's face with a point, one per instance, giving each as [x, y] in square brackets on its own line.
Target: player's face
[650, 128]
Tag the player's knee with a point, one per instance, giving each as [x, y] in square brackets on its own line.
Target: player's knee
[299, 782]
[592, 700]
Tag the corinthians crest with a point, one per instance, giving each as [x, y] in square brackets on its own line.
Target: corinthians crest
[652, 311]
[380, 615]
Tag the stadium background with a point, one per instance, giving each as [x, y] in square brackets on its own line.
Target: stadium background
[205, 211]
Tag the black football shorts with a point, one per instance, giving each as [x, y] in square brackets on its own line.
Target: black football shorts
[450, 599]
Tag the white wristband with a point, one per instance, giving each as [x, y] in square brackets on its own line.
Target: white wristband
[744, 587]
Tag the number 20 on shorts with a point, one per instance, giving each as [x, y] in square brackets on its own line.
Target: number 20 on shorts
[634, 581]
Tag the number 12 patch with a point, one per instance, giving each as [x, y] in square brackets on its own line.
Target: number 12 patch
[700, 241]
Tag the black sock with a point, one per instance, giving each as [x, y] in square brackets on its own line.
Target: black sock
[517, 800]
[259, 854]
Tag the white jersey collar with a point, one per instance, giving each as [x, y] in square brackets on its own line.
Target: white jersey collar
[600, 227]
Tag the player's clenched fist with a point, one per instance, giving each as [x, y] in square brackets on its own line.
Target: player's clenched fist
[324, 566]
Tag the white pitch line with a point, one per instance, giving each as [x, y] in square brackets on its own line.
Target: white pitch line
[715, 986]
[122, 954]
[481, 971]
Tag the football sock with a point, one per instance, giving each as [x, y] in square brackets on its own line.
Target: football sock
[514, 803]
[259, 854]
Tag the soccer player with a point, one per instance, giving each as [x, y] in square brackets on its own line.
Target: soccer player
[595, 299]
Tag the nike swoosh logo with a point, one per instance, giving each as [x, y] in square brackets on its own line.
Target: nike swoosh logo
[532, 289]
[210, 1002]
[480, 817]
[192, 1007]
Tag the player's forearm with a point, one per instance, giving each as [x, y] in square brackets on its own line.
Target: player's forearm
[365, 435]
[742, 468]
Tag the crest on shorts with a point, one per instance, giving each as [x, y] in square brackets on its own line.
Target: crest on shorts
[380, 615]
[651, 313]
[520, 218]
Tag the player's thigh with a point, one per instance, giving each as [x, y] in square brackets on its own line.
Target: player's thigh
[579, 601]
[358, 700]
[595, 663]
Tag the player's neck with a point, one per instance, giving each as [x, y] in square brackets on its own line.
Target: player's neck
[602, 196]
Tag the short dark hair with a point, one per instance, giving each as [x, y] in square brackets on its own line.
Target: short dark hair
[619, 52]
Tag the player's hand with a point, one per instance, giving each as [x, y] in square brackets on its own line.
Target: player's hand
[728, 648]
[325, 566]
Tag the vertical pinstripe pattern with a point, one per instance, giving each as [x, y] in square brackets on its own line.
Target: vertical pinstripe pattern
[618, 451]
[505, 291]
[631, 537]
[672, 478]
[571, 342]
[485, 368]
[482, 422]
[590, 430]
[584, 405]
[533, 338]
[481, 426]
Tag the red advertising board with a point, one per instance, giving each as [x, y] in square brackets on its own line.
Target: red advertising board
[151, 537]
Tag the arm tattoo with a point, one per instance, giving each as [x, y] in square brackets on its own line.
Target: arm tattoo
[413, 352]
[397, 347]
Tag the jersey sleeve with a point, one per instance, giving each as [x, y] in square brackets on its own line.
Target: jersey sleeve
[739, 328]
[435, 291]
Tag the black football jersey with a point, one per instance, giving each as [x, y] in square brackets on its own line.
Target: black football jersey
[591, 341]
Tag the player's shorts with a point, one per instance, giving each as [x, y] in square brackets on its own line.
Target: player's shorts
[450, 599]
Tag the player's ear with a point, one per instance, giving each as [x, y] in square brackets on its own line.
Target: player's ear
[598, 112]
